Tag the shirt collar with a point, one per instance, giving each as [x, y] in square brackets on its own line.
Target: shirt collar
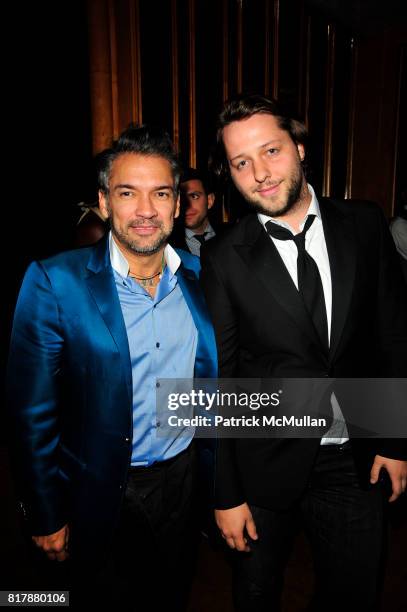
[121, 266]
[209, 231]
[313, 209]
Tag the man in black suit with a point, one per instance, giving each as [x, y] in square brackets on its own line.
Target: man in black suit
[193, 227]
[307, 288]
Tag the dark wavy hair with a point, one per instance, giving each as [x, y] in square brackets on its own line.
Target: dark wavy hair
[243, 107]
[192, 174]
[141, 139]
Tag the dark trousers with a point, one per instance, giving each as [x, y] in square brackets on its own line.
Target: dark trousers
[153, 555]
[345, 528]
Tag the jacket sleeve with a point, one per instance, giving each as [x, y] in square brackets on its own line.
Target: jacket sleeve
[228, 491]
[32, 390]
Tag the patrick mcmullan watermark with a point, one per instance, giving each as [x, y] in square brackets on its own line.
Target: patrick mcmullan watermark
[300, 408]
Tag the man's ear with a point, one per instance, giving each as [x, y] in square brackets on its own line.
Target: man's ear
[177, 206]
[211, 200]
[103, 206]
[301, 151]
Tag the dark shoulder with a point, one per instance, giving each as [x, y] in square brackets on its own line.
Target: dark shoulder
[357, 207]
[236, 233]
[72, 259]
[366, 215]
[59, 268]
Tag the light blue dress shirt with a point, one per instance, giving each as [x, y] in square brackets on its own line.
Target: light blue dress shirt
[162, 342]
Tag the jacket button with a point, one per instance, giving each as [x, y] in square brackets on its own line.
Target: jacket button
[127, 440]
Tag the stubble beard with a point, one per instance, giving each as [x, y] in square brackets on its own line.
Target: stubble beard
[135, 246]
[297, 191]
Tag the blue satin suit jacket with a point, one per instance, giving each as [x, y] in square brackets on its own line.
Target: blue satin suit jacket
[70, 391]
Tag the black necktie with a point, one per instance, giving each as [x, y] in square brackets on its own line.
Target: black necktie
[309, 279]
[200, 237]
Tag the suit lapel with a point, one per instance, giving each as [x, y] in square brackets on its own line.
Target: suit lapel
[102, 287]
[205, 361]
[341, 247]
[266, 265]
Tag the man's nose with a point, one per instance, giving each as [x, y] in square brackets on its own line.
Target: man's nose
[260, 171]
[145, 207]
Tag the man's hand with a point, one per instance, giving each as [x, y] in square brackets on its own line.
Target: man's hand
[397, 471]
[232, 523]
[54, 545]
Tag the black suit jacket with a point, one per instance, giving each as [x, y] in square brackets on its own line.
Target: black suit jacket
[263, 330]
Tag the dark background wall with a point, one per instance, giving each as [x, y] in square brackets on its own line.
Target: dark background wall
[337, 65]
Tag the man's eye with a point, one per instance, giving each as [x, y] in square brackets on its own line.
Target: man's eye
[241, 164]
[163, 195]
[194, 196]
[125, 194]
[272, 151]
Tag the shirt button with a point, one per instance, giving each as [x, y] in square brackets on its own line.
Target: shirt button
[157, 344]
[158, 424]
[157, 384]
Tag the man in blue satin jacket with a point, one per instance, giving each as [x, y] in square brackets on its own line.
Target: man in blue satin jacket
[94, 329]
